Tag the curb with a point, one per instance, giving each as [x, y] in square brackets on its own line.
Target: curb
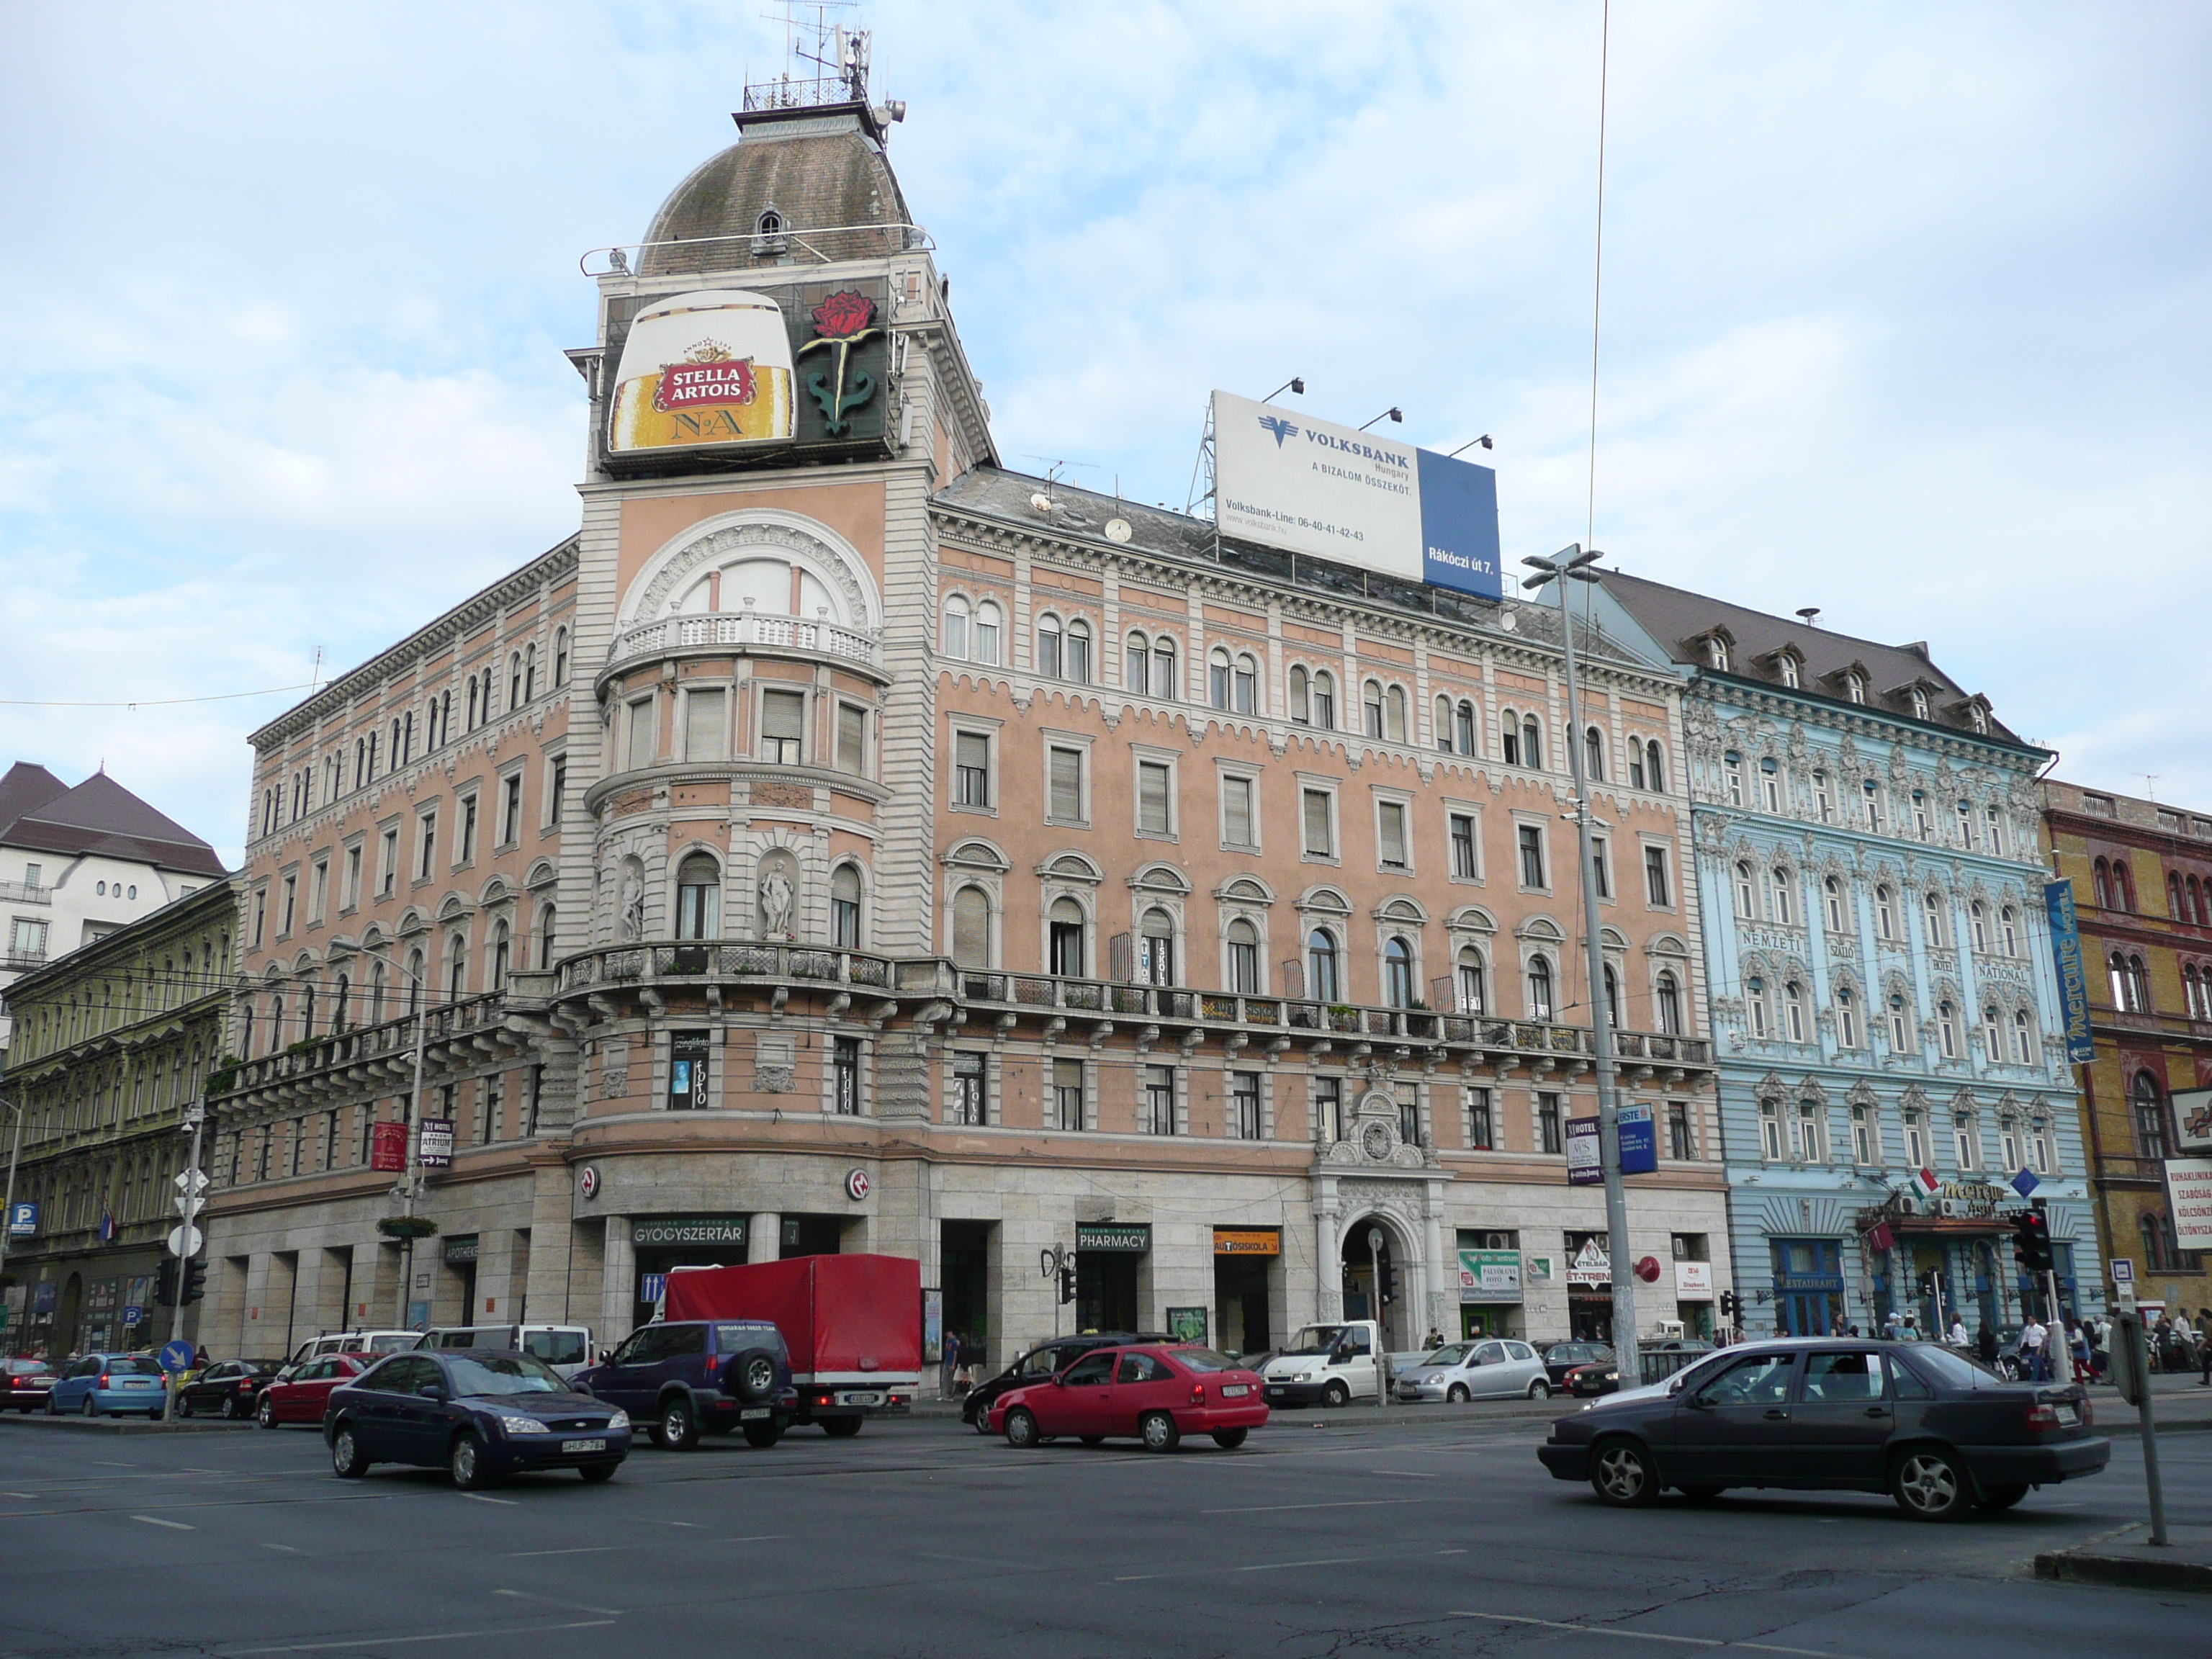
[75, 1425]
[2124, 1572]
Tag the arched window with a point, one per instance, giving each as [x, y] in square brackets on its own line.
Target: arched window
[514, 678]
[1667, 998]
[1612, 996]
[1812, 1142]
[308, 1011]
[2101, 877]
[845, 908]
[1787, 664]
[1732, 778]
[545, 928]
[1463, 728]
[1156, 948]
[1847, 1019]
[1947, 1029]
[1243, 957]
[1770, 1130]
[1137, 669]
[1372, 709]
[502, 957]
[1992, 1034]
[1324, 700]
[528, 674]
[699, 897]
[2149, 1105]
[418, 967]
[2116, 970]
[1532, 742]
[1397, 972]
[1854, 686]
[1747, 894]
[1978, 917]
[1473, 992]
[1900, 1027]
[1885, 912]
[2139, 985]
[1217, 678]
[457, 970]
[1247, 686]
[1540, 986]
[1933, 902]
[2023, 1038]
[1770, 785]
[1324, 982]
[1300, 696]
[1654, 767]
[2123, 885]
[472, 725]
[1832, 890]
[1793, 1012]
[986, 648]
[1781, 894]
[956, 628]
[1067, 939]
[1079, 651]
[1508, 736]
[1594, 755]
[1393, 712]
[971, 928]
[1049, 639]
[1755, 1005]
[341, 998]
[560, 656]
[1919, 704]
[1443, 724]
[1166, 684]
[1717, 654]
[375, 996]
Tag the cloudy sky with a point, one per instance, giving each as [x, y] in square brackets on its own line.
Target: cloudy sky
[1905, 308]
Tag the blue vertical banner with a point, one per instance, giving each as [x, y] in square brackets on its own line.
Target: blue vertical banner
[1639, 1140]
[2073, 985]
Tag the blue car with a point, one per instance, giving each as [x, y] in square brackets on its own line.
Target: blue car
[114, 1385]
[481, 1414]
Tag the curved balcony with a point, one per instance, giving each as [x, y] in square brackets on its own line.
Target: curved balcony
[763, 962]
[744, 631]
[386, 1048]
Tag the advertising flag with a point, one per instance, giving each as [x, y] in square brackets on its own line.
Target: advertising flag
[2073, 985]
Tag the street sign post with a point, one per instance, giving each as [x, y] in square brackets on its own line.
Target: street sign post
[2131, 1372]
[186, 1240]
[1382, 1360]
[189, 1184]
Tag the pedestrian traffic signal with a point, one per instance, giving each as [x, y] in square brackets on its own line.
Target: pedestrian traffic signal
[165, 1282]
[2031, 1242]
[1727, 1304]
[1389, 1280]
[195, 1280]
[1067, 1284]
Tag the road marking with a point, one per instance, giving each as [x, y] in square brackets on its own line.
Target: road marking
[156, 1521]
[1264, 1567]
[103, 1463]
[285, 1549]
[525, 1596]
[588, 1549]
[1407, 1475]
[1646, 1635]
[481, 1498]
[401, 1641]
[1351, 1503]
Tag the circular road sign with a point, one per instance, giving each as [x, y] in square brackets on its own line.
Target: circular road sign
[176, 1356]
[185, 1241]
[1375, 1240]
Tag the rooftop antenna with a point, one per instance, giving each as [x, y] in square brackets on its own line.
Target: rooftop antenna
[2150, 784]
[839, 58]
[1808, 614]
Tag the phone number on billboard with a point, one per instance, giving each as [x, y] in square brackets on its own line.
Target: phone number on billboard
[1270, 516]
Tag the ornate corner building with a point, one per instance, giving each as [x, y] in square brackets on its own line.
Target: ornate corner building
[2141, 875]
[844, 842]
[1884, 994]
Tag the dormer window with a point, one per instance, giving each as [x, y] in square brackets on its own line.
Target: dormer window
[1717, 654]
[1854, 686]
[1787, 664]
[1919, 704]
[1980, 718]
[768, 231]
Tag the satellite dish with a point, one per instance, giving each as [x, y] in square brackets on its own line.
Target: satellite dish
[1117, 530]
[1042, 502]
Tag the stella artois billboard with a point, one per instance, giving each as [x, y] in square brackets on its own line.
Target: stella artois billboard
[731, 369]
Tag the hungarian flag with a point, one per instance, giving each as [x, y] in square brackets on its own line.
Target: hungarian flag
[1926, 1182]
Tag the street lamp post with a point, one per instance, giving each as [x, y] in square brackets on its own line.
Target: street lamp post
[411, 1181]
[1571, 564]
[8, 1204]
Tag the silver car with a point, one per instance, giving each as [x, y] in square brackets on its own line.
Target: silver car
[1493, 1368]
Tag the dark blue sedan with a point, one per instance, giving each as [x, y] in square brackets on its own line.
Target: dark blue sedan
[482, 1413]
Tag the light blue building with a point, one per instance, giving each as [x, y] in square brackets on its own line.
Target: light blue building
[1884, 998]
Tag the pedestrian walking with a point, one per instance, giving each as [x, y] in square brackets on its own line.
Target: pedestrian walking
[1892, 1326]
[952, 1360]
[2205, 1347]
[1958, 1335]
[1987, 1346]
[2032, 1340]
[1433, 1340]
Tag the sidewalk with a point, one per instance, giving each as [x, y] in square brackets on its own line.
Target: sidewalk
[74, 1424]
[2128, 1558]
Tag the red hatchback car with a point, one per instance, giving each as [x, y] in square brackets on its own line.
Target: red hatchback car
[300, 1398]
[1157, 1394]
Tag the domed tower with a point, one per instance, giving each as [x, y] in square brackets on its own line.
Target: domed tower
[776, 392]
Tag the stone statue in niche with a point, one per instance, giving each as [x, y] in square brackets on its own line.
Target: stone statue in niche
[776, 899]
[632, 904]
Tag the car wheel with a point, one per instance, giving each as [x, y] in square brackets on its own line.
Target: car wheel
[984, 1422]
[53, 1406]
[680, 1427]
[183, 1405]
[266, 1412]
[1230, 1439]
[1336, 1394]
[1540, 1389]
[762, 1436]
[345, 1455]
[1928, 1485]
[1701, 1494]
[1622, 1475]
[595, 1473]
[1457, 1394]
[842, 1428]
[471, 1469]
[90, 1409]
[2004, 1496]
[1159, 1431]
[230, 1408]
[1021, 1429]
[752, 1373]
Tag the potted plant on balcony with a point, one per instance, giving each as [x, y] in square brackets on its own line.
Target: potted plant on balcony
[1343, 1017]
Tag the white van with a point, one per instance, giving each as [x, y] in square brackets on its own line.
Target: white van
[566, 1348]
[347, 1342]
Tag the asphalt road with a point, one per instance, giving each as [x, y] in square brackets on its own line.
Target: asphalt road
[1440, 1538]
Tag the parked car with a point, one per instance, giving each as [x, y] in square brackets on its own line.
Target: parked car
[1493, 1368]
[687, 1377]
[25, 1384]
[566, 1348]
[112, 1384]
[229, 1387]
[481, 1414]
[350, 1342]
[301, 1397]
[1560, 1358]
[1157, 1394]
[1040, 1363]
[1938, 1431]
[1326, 1365]
[1604, 1376]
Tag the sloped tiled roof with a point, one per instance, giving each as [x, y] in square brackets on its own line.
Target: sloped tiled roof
[100, 817]
[26, 787]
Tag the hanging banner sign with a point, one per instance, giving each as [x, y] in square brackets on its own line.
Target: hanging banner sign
[1585, 1164]
[1639, 1140]
[2189, 1202]
[1590, 1266]
[1489, 1275]
[434, 1143]
[387, 1148]
[2072, 984]
[1248, 1241]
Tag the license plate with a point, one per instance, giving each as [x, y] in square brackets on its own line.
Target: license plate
[130, 1382]
[583, 1445]
[860, 1399]
[2068, 1415]
[1274, 1393]
[757, 1411]
[1234, 1390]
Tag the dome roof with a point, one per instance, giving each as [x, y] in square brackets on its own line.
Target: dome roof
[818, 172]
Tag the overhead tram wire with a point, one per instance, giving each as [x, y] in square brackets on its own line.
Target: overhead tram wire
[154, 702]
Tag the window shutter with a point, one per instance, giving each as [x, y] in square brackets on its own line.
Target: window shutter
[1153, 797]
[702, 726]
[1237, 810]
[783, 714]
[971, 928]
[1316, 821]
[1067, 783]
[851, 738]
[1394, 833]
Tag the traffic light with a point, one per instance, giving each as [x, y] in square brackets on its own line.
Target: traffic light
[1389, 1280]
[195, 1280]
[1067, 1285]
[2031, 1242]
[1728, 1306]
[165, 1282]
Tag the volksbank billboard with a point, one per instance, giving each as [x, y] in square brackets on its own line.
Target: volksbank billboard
[1309, 486]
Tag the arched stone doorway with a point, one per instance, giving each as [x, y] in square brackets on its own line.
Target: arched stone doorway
[1399, 1257]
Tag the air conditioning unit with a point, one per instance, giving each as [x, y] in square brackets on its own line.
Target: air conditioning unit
[1949, 1207]
[1907, 1205]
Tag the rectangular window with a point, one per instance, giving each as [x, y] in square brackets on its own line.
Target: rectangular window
[559, 792]
[322, 889]
[706, 725]
[510, 810]
[845, 1077]
[1318, 843]
[353, 878]
[971, 770]
[1532, 856]
[852, 739]
[1153, 816]
[1679, 1140]
[1390, 834]
[1655, 885]
[1329, 1108]
[425, 864]
[1064, 771]
[291, 903]
[1243, 1106]
[1601, 870]
[1481, 1123]
[1066, 1094]
[261, 908]
[390, 861]
[468, 829]
[783, 727]
[1462, 825]
[966, 1106]
[1236, 812]
[687, 1071]
[1547, 1122]
[638, 753]
[1158, 1103]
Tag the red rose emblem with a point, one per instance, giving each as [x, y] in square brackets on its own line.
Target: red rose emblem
[842, 316]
